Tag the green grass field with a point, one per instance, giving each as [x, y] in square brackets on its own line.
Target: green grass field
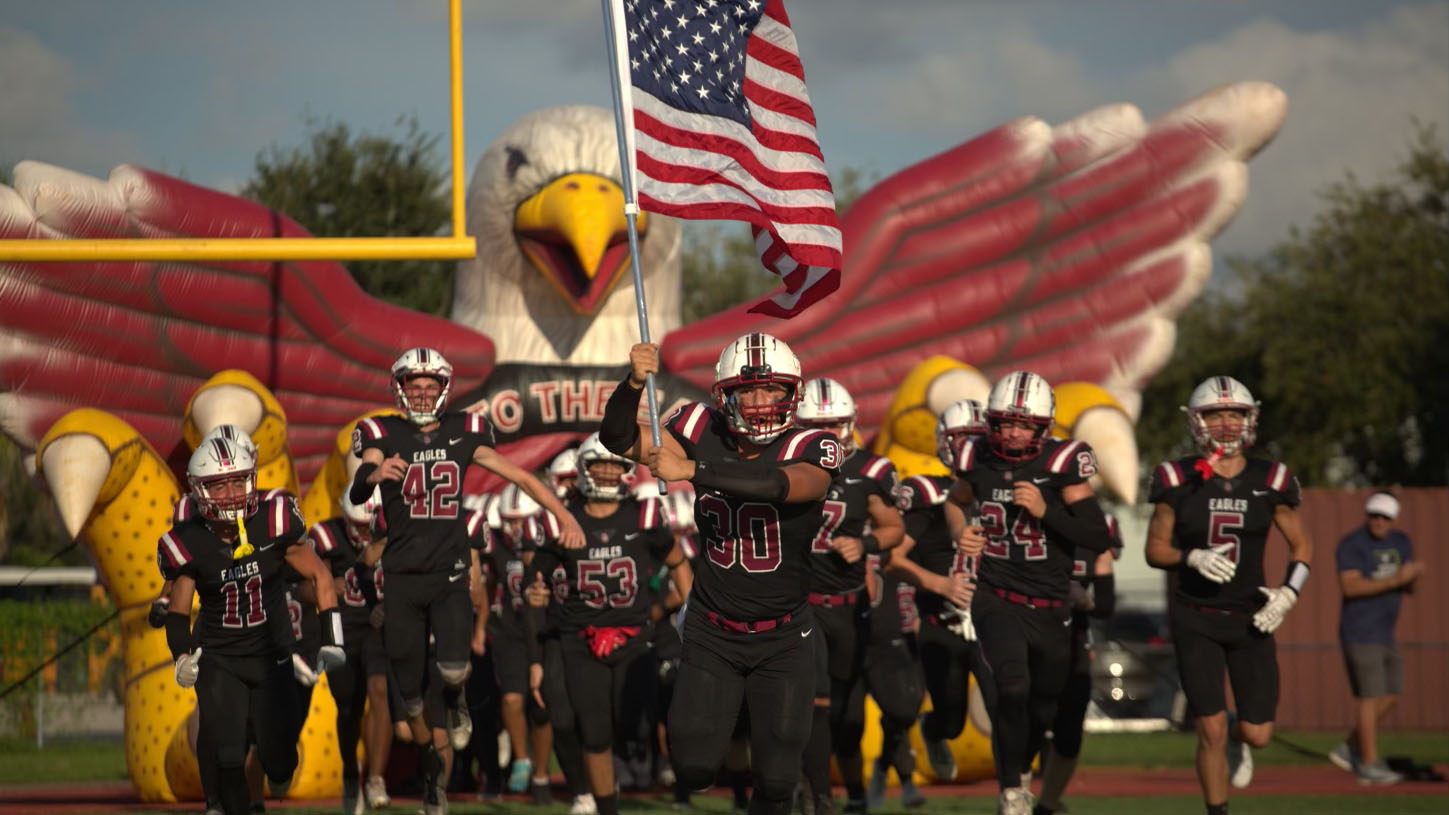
[93, 761]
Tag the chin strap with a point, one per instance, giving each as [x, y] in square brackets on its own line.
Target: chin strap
[245, 547]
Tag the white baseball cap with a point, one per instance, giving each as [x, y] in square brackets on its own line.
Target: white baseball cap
[1381, 503]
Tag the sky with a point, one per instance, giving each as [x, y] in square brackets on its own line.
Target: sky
[198, 89]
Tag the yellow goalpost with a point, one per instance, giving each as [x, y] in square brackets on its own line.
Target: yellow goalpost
[459, 246]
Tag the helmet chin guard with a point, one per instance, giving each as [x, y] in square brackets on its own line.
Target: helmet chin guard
[593, 451]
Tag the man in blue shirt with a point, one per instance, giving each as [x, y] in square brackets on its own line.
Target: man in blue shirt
[1376, 567]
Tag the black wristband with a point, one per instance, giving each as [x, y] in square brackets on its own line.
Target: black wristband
[870, 544]
[745, 479]
[361, 490]
[178, 634]
[1104, 595]
[331, 626]
[620, 427]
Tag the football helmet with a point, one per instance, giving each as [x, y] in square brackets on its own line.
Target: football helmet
[757, 359]
[220, 460]
[563, 472]
[515, 507]
[591, 452]
[958, 422]
[421, 362]
[1020, 396]
[359, 517]
[233, 434]
[826, 404]
[1221, 393]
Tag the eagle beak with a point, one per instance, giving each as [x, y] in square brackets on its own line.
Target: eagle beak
[574, 232]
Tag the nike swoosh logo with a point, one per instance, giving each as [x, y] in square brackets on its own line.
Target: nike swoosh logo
[268, 546]
[1066, 622]
[454, 578]
[806, 632]
[454, 441]
[854, 480]
[1041, 480]
[1261, 492]
[628, 536]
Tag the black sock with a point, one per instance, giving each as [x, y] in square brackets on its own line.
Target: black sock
[852, 768]
[816, 761]
[570, 759]
[607, 804]
[740, 786]
[1218, 809]
[432, 762]
[231, 783]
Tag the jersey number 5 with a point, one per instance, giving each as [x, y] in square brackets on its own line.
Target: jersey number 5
[749, 534]
[1221, 526]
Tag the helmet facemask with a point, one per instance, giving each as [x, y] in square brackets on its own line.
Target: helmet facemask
[1020, 396]
[422, 409]
[752, 361]
[223, 479]
[827, 405]
[959, 422]
[598, 482]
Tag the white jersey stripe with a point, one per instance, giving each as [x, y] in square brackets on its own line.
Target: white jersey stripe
[1060, 459]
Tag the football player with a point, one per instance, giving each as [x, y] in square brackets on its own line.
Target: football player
[232, 553]
[419, 459]
[1030, 495]
[862, 496]
[944, 576]
[605, 623]
[1210, 522]
[760, 486]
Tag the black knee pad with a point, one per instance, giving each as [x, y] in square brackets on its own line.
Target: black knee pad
[536, 715]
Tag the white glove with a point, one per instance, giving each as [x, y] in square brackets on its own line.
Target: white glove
[304, 673]
[331, 656]
[968, 628]
[960, 621]
[1271, 615]
[1212, 563]
[187, 668]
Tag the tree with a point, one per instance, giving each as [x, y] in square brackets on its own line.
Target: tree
[367, 185]
[1342, 330]
[720, 267]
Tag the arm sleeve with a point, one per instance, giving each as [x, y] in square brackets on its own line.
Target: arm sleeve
[1080, 524]
[620, 426]
[1104, 595]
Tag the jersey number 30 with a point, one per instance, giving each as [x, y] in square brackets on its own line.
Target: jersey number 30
[749, 534]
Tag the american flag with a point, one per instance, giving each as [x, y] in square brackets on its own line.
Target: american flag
[724, 130]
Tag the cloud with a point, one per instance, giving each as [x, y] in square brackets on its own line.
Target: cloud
[39, 113]
[1352, 93]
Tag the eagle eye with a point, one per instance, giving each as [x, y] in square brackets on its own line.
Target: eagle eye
[516, 159]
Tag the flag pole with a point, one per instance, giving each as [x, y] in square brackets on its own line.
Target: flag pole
[620, 82]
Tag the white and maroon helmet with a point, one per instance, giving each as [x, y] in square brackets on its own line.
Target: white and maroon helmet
[219, 460]
[593, 451]
[233, 434]
[960, 421]
[679, 504]
[421, 362]
[360, 517]
[563, 467]
[1020, 396]
[515, 504]
[1221, 393]
[826, 403]
[756, 359]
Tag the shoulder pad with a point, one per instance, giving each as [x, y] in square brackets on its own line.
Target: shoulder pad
[920, 491]
[171, 554]
[1071, 458]
[689, 421]
[283, 515]
[814, 446]
[324, 537]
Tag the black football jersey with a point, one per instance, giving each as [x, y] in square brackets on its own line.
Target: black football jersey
[423, 512]
[847, 509]
[335, 547]
[504, 557]
[894, 613]
[608, 580]
[1219, 510]
[243, 601]
[756, 553]
[1020, 555]
[922, 500]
